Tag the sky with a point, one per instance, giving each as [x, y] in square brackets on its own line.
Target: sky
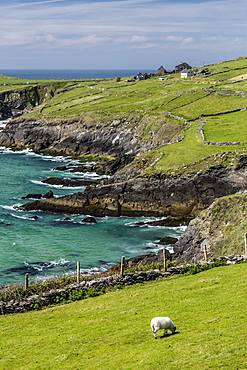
[120, 34]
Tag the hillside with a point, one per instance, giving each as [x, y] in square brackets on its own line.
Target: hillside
[220, 228]
[112, 331]
[171, 145]
[198, 112]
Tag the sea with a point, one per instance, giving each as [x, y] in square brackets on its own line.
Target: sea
[50, 245]
[48, 74]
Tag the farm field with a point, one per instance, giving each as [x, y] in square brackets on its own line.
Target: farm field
[112, 331]
[188, 114]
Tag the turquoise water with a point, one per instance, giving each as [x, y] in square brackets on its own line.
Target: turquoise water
[50, 246]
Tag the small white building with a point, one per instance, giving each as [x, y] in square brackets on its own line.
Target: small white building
[186, 73]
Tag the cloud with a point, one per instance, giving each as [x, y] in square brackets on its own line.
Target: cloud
[132, 39]
[119, 25]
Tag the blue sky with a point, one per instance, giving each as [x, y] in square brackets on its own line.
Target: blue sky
[120, 34]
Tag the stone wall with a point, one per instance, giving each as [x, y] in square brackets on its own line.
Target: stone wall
[79, 291]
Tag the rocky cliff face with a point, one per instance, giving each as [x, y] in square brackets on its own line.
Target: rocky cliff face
[217, 230]
[127, 193]
[72, 138]
[157, 195]
[14, 103]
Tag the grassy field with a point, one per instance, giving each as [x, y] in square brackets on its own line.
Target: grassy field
[159, 110]
[113, 331]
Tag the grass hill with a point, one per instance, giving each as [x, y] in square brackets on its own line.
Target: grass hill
[203, 120]
[191, 124]
[193, 114]
[113, 331]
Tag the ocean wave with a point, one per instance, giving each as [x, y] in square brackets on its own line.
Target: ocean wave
[83, 271]
[22, 151]
[10, 208]
[57, 186]
[34, 268]
[41, 266]
[60, 159]
[150, 247]
[146, 225]
[31, 218]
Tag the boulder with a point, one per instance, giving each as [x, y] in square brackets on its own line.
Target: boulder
[69, 182]
[168, 240]
[32, 196]
[89, 220]
[49, 195]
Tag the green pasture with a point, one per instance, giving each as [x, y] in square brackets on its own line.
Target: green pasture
[210, 104]
[112, 331]
[192, 150]
[161, 108]
[187, 98]
[227, 128]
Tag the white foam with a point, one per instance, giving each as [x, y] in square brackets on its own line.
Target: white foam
[41, 266]
[57, 186]
[30, 218]
[10, 208]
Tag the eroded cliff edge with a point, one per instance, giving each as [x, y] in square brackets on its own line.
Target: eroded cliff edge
[129, 192]
[154, 195]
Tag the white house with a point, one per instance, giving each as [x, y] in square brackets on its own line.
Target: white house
[186, 73]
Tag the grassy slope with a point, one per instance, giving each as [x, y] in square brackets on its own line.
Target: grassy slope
[225, 224]
[112, 331]
[160, 109]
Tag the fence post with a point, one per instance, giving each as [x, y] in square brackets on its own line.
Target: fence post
[205, 253]
[122, 266]
[78, 272]
[26, 280]
[164, 258]
[245, 243]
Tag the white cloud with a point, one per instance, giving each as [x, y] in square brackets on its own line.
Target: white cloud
[125, 24]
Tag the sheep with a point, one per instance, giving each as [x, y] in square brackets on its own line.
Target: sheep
[165, 323]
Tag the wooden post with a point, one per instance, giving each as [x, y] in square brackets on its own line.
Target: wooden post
[78, 272]
[245, 243]
[164, 258]
[205, 253]
[26, 280]
[122, 266]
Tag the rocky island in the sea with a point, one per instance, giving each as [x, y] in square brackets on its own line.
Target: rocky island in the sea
[158, 147]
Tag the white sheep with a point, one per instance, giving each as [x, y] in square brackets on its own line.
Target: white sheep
[165, 323]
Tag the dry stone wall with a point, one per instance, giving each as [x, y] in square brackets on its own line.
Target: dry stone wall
[79, 291]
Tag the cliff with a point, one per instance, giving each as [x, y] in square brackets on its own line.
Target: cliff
[175, 146]
[14, 103]
[156, 195]
[218, 229]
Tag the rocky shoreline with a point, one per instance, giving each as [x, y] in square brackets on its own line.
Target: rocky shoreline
[154, 195]
[129, 191]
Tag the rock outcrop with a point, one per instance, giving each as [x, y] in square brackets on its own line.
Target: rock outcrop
[217, 230]
[72, 138]
[14, 103]
[156, 195]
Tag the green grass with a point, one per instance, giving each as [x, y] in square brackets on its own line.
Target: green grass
[227, 128]
[225, 224]
[191, 151]
[113, 331]
[159, 111]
